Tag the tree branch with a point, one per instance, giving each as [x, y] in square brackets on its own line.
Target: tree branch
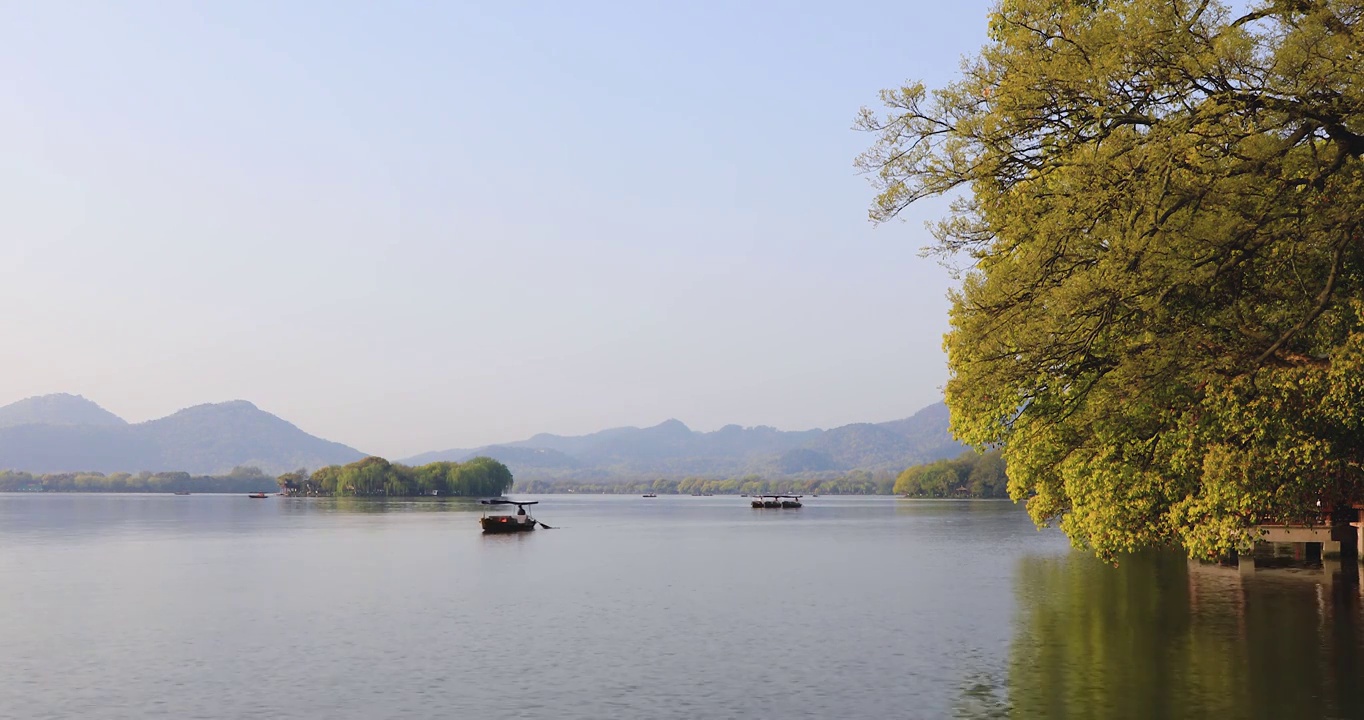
[1323, 300]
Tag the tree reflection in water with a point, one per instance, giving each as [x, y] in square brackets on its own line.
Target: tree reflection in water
[981, 699]
[377, 505]
[1160, 637]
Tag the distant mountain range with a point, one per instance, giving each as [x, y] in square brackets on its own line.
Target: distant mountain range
[673, 449]
[68, 433]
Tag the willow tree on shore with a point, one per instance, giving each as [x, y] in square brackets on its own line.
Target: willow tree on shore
[1157, 203]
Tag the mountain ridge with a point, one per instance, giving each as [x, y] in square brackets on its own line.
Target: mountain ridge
[671, 449]
[68, 433]
[56, 409]
[210, 438]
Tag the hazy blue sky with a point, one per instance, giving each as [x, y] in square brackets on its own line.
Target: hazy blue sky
[417, 225]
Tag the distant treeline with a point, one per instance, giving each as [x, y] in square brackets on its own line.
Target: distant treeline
[969, 475]
[241, 479]
[853, 483]
[479, 477]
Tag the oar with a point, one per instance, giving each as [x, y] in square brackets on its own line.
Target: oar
[544, 525]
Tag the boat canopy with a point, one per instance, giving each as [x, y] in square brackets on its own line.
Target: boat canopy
[505, 501]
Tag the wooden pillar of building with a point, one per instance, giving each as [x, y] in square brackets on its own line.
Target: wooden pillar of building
[1345, 528]
[1357, 525]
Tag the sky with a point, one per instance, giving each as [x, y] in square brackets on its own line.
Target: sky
[412, 226]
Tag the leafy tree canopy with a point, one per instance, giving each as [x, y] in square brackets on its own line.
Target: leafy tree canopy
[972, 475]
[477, 477]
[1158, 203]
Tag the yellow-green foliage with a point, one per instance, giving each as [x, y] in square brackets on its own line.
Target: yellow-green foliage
[1160, 313]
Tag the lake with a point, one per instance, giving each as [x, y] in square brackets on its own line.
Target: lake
[158, 606]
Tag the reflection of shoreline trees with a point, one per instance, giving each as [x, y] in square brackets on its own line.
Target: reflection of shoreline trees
[1156, 637]
[375, 476]
[980, 699]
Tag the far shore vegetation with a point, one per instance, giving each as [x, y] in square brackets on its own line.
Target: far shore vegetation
[375, 476]
[242, 479]
[971, 475]
[856, 482]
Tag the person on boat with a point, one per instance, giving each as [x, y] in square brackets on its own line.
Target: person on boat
[521, 514]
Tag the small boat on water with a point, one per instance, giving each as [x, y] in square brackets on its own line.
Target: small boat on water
[519, 522]
[181, 492]
[776, 501]
[650, 495]
[258, 496]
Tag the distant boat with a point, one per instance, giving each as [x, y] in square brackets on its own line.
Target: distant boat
[181, 492]
[258, 496]
[776, 501]
[650, 495]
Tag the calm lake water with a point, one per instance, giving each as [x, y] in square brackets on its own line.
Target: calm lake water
[142, 606]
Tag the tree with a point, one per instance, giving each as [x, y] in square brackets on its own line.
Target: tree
[971, 474]
[664, 485]
[479, 477]
[987, 477]
[296, 483]
[431, 478]
[327, 479]
[1157, 204]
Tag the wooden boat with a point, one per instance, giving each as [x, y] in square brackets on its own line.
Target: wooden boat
[519, 522]
[776, 501]
[257, 496]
